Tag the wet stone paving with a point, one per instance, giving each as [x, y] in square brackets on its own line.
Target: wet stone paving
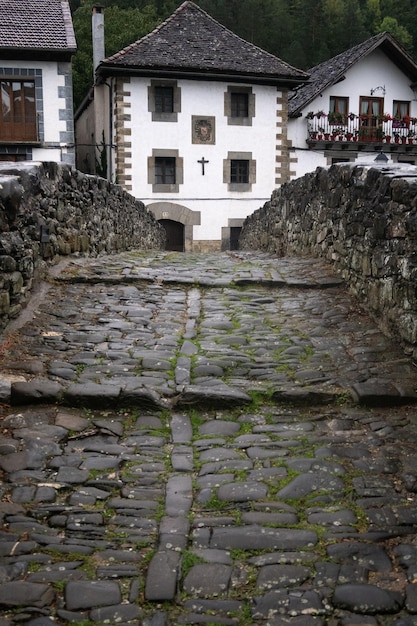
[205, 439]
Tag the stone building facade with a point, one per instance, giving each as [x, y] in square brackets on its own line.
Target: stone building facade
[198, 126]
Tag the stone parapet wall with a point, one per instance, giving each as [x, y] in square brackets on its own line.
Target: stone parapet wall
[48, 210]
[363, 219]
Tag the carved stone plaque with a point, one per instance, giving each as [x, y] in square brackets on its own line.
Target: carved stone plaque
[203, 129]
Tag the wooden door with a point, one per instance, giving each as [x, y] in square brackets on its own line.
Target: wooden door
[370, 112]
[234, 237]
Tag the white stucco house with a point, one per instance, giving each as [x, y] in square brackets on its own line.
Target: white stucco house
[36, 114]
[357, 104]
[192, 120]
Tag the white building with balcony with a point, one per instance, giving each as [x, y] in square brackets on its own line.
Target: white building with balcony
[357, 104]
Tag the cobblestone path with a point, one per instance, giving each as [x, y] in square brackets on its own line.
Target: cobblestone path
[205, 439]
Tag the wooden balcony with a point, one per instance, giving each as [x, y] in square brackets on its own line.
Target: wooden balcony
[362, 133]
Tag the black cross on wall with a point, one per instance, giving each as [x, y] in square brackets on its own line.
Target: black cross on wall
[203, 162]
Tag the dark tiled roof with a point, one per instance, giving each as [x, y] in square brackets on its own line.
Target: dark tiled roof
[36, 25]
[191, 41]
[330, 72]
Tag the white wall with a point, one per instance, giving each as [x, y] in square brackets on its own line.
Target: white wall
[207, 194]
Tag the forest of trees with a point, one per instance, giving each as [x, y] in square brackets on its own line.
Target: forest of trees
[301, 32]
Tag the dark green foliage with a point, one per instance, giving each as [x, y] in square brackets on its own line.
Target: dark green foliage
[301, 32]
[122, 27]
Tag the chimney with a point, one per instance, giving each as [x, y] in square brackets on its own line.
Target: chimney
[98, 36]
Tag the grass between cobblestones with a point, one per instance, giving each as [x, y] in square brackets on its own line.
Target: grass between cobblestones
[281, 334]
[245, 585]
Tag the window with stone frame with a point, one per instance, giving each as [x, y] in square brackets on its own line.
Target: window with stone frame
[164, 100]
[18, 120]
[239, 171]
[239, 105]
[165, 171]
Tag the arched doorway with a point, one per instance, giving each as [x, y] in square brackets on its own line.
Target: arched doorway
[176, 217]
[175, 235]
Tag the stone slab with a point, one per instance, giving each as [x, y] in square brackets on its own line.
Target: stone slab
[161, 579]
[262, 538]
[91, 593]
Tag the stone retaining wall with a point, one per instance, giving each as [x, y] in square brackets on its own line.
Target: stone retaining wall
[48, 210]
[361, 218]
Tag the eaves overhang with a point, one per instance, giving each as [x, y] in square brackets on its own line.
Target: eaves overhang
[37, 54]
[104, 71]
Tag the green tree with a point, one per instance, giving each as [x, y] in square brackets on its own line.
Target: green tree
[296, 52]
[301, 32]
[373, 16]
[352, 27]
[74, 4]
[122, 27]
[399, 32]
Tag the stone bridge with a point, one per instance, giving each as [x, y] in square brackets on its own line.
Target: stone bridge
[363, 220]
[187, 439]
[208, 439]
[48, 211]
